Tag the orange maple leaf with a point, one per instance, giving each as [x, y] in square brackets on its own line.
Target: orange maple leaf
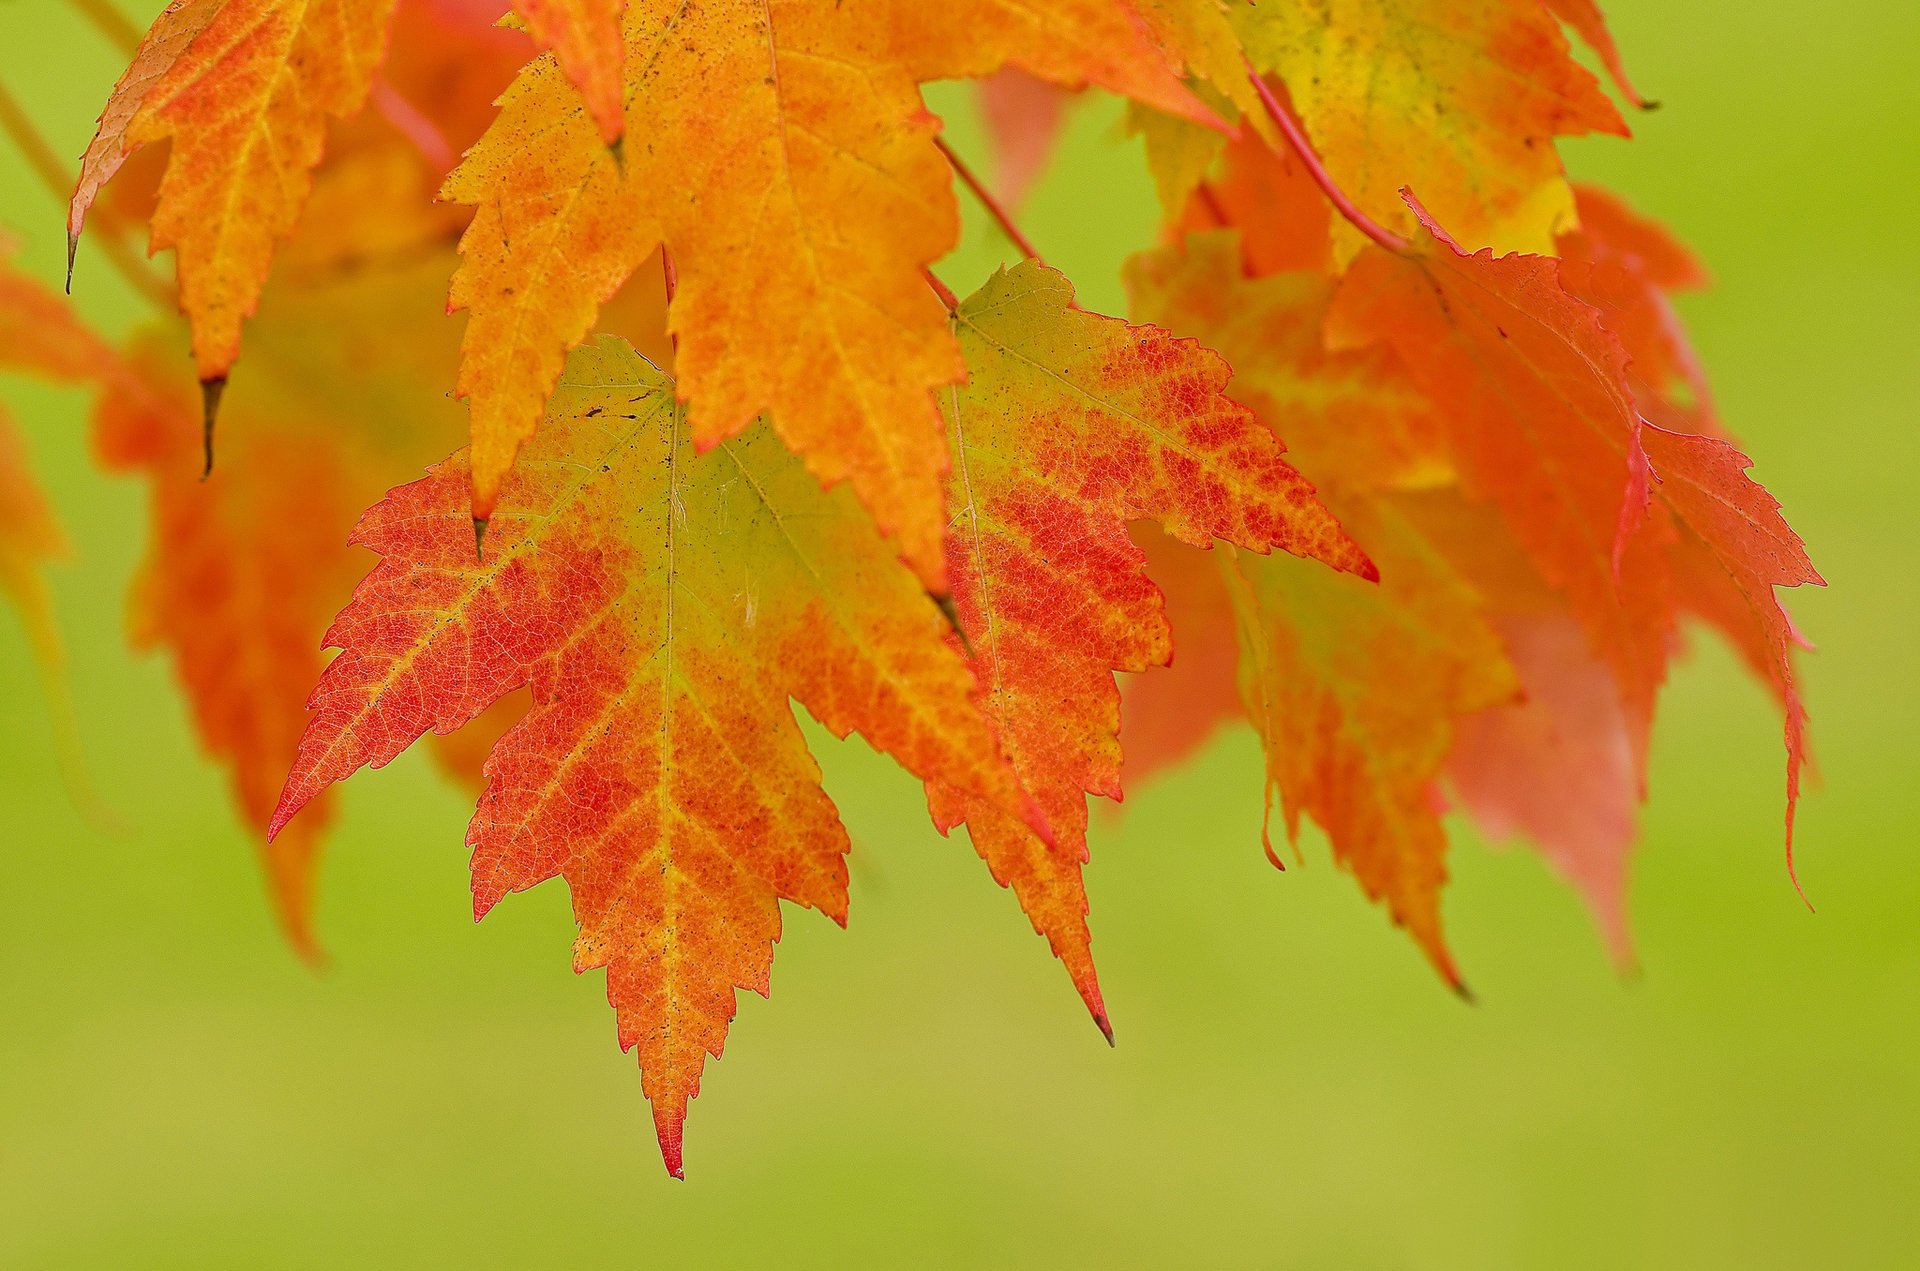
[1541, 422]
[1353, 689]
[1023, 115]
[243, 89]
[1070, 425]
[1521, 380]
[1557, 766]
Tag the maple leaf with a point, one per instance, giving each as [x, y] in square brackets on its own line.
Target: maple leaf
[1510, 376]
[1353, 689]
[1461, 101]
[1559, 766]
[243, 89]
[1526, 445]
[1179, 150]
[1742, 549]
[1540, 422]
[812, 202]
[236, 591]
[349, 352]
[664, 605]
[176, 28]
[1070, 425]
[1546, 426]
[38, 336]
[1730, 546]
[1285, 224]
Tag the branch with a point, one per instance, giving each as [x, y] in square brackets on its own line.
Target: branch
[1297, 139]
[111, 23]
[987, 201]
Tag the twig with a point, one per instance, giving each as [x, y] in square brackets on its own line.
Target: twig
[1321, 177]
[111, 23]
[987, 201]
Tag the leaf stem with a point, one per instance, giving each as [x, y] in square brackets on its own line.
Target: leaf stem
[940, 289]
[1297, 139]
[111, 23]
[53, 174]
[1209, 199]
[992, 205]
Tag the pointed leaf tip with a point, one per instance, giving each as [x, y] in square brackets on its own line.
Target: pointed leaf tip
[211, 390]
[668, 1127]
[480, 538]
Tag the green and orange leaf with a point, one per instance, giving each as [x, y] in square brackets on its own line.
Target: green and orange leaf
[1462, 101]
[664, 605]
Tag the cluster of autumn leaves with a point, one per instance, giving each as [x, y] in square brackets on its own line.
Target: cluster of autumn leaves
[792, 466]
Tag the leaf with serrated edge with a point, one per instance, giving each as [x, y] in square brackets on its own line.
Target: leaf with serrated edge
[664, 605]
[244, 91]
[1071, 425]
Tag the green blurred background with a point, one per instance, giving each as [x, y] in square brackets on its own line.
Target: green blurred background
[1292, 1087]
